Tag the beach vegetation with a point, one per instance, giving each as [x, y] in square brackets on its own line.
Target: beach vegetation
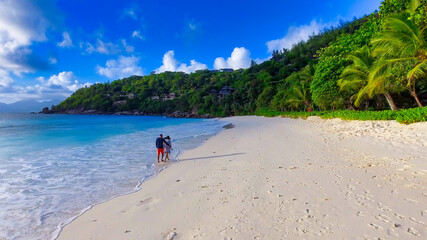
[405, 116]
[367, 65]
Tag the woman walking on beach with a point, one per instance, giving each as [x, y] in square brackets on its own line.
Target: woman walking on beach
[168, 147]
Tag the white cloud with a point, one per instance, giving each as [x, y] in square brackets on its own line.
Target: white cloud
[240, 58]
[57, 86]
[296, 35]
[63, 82]
[120, 68]
[192, 26]
[127, 47]
[172, 65]
[106, 48]
[53, 60]
[131, 12]
[5, 80]
[137, 34]
[101, 47]
[21, 23]
[67, 42]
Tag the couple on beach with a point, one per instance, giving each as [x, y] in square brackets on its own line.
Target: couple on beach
[163, 145]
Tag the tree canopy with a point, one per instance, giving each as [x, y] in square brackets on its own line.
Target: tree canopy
[362, 64]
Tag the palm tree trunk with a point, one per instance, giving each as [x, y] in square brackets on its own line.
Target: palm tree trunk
[380, 103]
[306, 104]
[414, 94]
[390, 101]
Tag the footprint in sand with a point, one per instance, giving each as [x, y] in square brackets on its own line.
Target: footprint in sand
[360, 214]
[415, 221]
[148, 202]
[375, 226]
[383, 218]
[411, 200]
[171, 235]
[413, 231]
[399, 216]
[383, 207]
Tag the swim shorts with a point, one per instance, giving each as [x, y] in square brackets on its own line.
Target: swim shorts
[160, 150]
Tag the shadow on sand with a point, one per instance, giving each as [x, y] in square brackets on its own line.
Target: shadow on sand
[217, 156]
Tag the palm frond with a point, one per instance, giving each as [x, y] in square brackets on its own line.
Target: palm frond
[362, 96]
[413, 5]
[418, 71]
[401, 37]
[349, 73]
[353, 84]
[376, 85]
[298, 92]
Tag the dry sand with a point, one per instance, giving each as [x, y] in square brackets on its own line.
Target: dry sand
[276, 178]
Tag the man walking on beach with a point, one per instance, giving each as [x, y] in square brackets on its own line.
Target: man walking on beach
[159, 145]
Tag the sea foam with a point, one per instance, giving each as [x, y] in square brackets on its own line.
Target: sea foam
[62, 173]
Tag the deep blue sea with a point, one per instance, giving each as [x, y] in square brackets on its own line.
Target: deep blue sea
[53, 167]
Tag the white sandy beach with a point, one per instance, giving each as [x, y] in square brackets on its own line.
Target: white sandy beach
[277, 178]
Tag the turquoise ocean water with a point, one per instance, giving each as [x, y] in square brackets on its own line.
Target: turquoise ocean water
[53, 167]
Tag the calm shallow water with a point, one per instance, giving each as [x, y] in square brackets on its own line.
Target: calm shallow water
[54, 166]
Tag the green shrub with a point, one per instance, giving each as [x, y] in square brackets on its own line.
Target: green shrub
[405, 116]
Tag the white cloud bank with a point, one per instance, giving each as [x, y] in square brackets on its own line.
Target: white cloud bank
[66, 42]
[21, 23]
[57, 86]
[102, 47]
[172, 65]
[120, 68]
[107, 48]
[64, 82]
[5, 80]
[240, 58]
[296, 35]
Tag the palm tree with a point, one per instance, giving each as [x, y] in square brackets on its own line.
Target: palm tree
[404, 42]
[364, 75]
[300, 97]
[300, 92]
[355, 77]
[382, 81]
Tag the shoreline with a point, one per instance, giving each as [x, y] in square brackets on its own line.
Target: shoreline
[137, 188]
[127, 216]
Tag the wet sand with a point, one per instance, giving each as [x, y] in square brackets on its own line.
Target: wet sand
[277, 178]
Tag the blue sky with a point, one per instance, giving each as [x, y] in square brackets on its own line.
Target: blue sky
[48, 48]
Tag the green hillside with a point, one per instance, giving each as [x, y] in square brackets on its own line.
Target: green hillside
[378, 62]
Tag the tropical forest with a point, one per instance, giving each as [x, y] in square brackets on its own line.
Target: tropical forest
[374, 67]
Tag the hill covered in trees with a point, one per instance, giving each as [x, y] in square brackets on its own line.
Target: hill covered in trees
[373, 63]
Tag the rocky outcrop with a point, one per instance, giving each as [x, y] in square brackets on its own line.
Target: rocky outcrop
[179, 114]
[46, 110]
[176, 114]
[130, 112]
[80, 110]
